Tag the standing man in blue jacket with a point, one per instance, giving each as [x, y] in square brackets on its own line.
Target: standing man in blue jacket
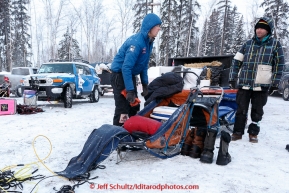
[259, 64]
[132, 59]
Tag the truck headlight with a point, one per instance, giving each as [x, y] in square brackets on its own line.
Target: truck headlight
[25, 82]
[49, 81]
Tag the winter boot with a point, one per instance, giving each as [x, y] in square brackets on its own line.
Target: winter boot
[239, 126]
[188, 142]
[198, 142]
[253, 131]
[236, 136]
[223, 155]
[208, 154]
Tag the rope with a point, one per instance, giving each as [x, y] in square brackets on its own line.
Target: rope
[10, 178]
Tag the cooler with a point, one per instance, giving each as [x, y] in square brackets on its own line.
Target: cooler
[29, 97]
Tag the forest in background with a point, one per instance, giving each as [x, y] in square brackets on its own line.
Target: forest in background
[34, 31]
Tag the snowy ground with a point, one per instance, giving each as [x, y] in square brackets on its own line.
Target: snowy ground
[261, 167]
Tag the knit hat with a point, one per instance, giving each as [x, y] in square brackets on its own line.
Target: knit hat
[263, 24]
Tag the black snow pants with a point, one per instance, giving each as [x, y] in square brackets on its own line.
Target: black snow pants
[258, 100]
[123, 110]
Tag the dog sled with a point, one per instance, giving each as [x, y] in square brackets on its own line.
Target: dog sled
[161, 133]
[197, 107]
[160, 128]
[164, 143]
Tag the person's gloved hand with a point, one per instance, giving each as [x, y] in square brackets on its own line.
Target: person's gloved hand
[130, 96]
[144, 90]
[232, 84]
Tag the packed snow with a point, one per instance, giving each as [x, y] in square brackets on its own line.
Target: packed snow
[260, 167]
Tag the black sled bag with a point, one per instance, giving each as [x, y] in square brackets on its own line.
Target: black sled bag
[99, 145]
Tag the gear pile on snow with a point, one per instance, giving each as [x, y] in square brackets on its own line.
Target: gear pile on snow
[27, 109]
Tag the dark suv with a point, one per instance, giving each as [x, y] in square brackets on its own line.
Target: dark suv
[284, 83]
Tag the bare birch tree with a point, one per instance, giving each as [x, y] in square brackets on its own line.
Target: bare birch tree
[92, 11]
[253, 7]
[107, 36]
[125, 16]
[52, 20]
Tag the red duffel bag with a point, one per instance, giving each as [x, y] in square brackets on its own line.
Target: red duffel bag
[143, 124]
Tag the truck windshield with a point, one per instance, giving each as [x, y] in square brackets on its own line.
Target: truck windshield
[56, 68]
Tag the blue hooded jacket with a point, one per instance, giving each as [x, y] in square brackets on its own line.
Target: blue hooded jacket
[133, 56]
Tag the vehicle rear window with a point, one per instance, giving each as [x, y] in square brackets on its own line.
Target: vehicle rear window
[20, 71]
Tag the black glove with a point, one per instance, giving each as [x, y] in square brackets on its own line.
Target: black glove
[130, 96]
[144, 90]
[232, 84]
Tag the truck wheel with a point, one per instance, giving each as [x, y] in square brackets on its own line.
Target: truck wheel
[67, 97]
[285, 94]
[94, 96]
[18, 91]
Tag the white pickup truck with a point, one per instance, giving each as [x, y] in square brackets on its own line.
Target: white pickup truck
[16, 75]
